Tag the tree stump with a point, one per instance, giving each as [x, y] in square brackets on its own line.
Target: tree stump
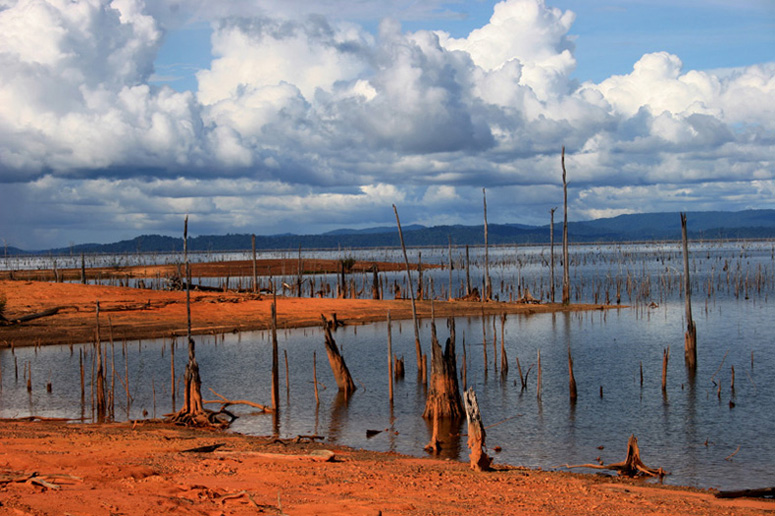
[480, 461]
[443, 398]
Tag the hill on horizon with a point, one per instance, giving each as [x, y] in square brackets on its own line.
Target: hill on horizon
[706, 225]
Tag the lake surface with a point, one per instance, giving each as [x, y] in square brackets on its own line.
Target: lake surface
[700, 430]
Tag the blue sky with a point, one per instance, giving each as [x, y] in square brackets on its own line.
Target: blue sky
[610, 36]
[119, 117]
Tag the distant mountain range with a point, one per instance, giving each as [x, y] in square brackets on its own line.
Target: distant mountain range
[706, 225]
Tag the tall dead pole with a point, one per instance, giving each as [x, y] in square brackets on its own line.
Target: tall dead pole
[487, 284]
[565, 264]
[193, 409]
[690, 337]
[255, 273]
[275, 358]
[551, 251]
[418, 348]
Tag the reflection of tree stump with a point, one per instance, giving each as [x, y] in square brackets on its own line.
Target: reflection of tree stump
[338, 366]
[480, 461]
[443, 399]
[631, 466]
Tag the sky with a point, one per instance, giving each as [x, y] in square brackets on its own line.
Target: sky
[119, 118]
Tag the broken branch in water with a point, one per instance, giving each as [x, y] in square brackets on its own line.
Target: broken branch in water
[226, 402]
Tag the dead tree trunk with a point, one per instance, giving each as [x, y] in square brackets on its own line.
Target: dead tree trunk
[193, 411]
[571, 379]
[468, 273]
[565, 264]
[420, 290]
[479, 459]
[338, 366]
[551, 253]
[504, 359]
[487, 283]
[450, 297]
[101, 404]
[255, 273]
[390, 357]
[299, 274]
[275, 357]
[443, 400]
[418, 348]
[690, 336]
[375, 282]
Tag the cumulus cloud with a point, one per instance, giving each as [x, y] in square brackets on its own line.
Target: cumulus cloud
[305, 120]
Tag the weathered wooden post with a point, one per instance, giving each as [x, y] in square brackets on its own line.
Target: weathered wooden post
[690, 336]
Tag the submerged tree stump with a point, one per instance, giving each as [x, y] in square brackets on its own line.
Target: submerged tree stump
[338, 366]
[479, 459]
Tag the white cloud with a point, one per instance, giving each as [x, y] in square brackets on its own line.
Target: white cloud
[307, 120]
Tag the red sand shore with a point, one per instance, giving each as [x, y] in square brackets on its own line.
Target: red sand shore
[125, 469]
[121, 469]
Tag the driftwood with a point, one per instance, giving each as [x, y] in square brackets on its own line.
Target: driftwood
[313, 456]
[36, 478]
[338, 366]
[480, 461]
[765, 492]
[631, 466]
[30, 317]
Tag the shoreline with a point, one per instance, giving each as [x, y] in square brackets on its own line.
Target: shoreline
[143, 468]
[135, 314]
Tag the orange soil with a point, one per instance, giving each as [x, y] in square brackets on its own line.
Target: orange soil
[130, 313]
[128, 470]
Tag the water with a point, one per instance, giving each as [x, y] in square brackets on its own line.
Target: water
[692, 430]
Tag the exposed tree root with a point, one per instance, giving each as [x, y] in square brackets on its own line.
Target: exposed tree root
[632, 466]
